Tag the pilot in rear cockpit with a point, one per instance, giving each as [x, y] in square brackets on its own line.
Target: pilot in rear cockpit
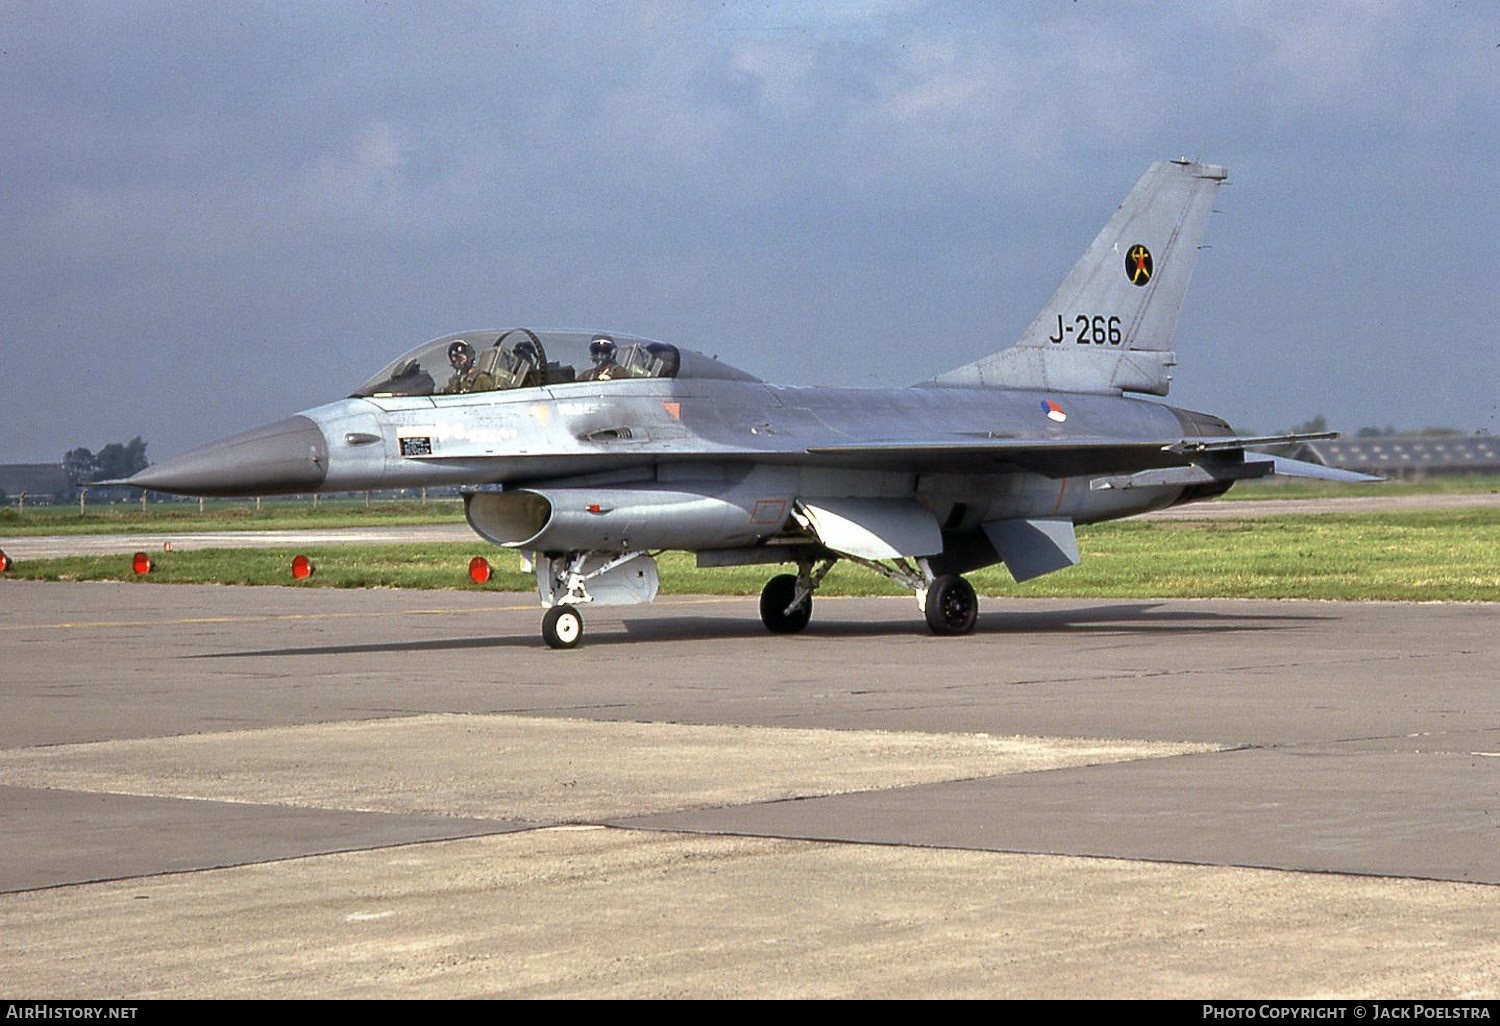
[602, 352]
[466, 376]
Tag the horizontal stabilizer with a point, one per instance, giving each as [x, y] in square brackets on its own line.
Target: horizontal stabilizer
[1297, 468]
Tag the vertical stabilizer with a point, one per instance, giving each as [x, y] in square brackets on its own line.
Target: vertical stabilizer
[1109, 327]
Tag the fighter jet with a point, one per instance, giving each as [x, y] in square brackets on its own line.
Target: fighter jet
[590, 453]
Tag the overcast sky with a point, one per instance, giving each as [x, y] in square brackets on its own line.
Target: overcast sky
[217, 214]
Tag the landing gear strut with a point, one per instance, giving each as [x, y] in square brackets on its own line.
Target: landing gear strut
[567, 580]
[947, 601]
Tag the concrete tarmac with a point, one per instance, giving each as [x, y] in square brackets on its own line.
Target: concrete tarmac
[277, 792]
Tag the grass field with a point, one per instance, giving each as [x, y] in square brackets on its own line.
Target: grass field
[228, 515]
[1305, 488]
[1428, 555]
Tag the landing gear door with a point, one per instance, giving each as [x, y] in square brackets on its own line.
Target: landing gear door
[874, 528]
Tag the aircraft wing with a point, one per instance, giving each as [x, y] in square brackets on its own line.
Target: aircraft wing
[1065, 457]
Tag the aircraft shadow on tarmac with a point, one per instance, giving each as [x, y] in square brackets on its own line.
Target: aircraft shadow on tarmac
[1129, 618]
[1137, 617]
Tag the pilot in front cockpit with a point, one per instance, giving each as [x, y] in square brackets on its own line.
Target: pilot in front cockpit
[602, 352]
[467, 377]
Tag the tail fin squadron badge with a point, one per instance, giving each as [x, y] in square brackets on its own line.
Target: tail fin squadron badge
[1138, 265]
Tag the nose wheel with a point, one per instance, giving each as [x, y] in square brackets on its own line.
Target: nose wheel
[562, 626]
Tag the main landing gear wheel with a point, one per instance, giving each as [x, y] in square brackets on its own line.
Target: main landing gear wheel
[775, 597]
[562, 626]
[952, 607]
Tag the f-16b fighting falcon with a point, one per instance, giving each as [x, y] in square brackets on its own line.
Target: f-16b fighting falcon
[590, 453]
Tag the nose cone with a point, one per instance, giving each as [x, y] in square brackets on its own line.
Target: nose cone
[283, 458]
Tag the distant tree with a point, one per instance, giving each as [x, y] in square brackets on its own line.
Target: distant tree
[79, 465]
[1312, 427]
[1426, 432]
[115, 461]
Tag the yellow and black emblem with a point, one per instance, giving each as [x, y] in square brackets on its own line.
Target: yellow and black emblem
[1138, 265]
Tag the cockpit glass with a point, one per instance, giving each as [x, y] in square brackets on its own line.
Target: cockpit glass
[489, 361]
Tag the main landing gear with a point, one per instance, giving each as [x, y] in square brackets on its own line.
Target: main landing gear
[786, 600]
[951, 607]
[779, 609]
[947, 601]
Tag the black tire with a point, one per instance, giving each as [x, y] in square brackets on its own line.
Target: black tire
[952, 606]
[775, 597]
[562, 626]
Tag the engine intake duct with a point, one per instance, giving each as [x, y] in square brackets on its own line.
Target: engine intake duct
[556, 520]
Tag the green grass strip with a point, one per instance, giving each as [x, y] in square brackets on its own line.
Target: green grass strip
[227, 515]
[1427, 555]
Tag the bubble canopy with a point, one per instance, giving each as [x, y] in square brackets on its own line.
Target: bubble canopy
[512, 358]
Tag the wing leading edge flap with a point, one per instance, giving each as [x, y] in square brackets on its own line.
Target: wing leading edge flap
[1031, 548]
[1051, 457]
[1006, 445]
[873, 528]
